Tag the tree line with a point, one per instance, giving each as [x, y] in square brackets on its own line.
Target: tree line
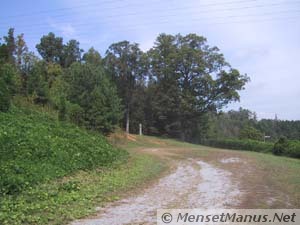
[172, 89]
[243, 124]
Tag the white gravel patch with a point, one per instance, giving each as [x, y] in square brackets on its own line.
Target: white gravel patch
[196, 184]
[230, 160]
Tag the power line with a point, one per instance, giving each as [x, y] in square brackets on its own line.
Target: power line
[117, 7]
[140, 26]
[117, 17]
[89, 24]
[251, 18]
[180, 8]
[61, 9]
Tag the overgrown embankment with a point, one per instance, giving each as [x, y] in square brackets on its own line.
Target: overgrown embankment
[36, 148]
[52, 172]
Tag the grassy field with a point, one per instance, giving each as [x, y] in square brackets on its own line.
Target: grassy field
[281, 174]
[271, 181]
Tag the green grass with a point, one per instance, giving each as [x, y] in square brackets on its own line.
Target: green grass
[152, 141]
[278, 174]
[281, 174]
[60, 172]
[52, 172]
[63, 200]
[35, 148]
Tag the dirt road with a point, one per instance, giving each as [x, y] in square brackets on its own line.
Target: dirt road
[193, 182]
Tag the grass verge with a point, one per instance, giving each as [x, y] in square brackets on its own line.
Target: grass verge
[76, 196]
[281, 174]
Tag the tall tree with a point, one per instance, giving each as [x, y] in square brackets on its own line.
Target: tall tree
[92, 56]
[40, 80]
[4, 56]
[11, 45]
[29, 60]
[71, 53]
[38, 85]
[21, 49]
[230, 124]
[164, 91]
[199, 80]
[51, 48]
[94, 95]
[123, 61]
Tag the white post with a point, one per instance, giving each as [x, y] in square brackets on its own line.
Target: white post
[140, 130]
[127, 121]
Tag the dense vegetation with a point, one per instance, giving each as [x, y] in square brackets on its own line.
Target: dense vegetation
[241, 130]
[250, 145]
[175, 89]
[282, 147]
[61, 200]
[35, 148]
[287, 148]
[243, 124]
[169, 89]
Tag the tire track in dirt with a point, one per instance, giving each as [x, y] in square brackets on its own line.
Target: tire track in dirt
[192, 184]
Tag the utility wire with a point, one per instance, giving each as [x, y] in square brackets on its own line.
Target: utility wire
[172, 9]
[40, 12]
[80, 7]
[117, 17]
[170, 16]
[252, 18]
[184, 25]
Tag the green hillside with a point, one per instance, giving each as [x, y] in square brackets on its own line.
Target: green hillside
[35, 148]
[52, 172]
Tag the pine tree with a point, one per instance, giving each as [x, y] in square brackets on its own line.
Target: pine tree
[124, 62]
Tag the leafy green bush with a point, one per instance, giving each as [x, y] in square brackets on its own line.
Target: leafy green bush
[250, 145]
[294, 149]
[287, 148]
[35, 148]
[282, 147]
[249, 132]
[5, 96]
[7, 86]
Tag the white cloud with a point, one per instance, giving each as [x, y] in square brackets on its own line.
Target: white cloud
[65, 29]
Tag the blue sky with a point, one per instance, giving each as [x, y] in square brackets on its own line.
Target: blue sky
[258, 37]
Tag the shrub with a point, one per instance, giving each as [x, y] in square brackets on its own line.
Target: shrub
[293, 149]
[287, 148]
[236, 144]
[75, 113]
[5, 96]
[280, 146]
[249, 132]
[7, 86]
[62, 109]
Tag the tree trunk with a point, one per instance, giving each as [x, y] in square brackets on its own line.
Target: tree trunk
[127, 120]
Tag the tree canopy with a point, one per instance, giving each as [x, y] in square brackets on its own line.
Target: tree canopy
[189, 79]
[177, 88]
